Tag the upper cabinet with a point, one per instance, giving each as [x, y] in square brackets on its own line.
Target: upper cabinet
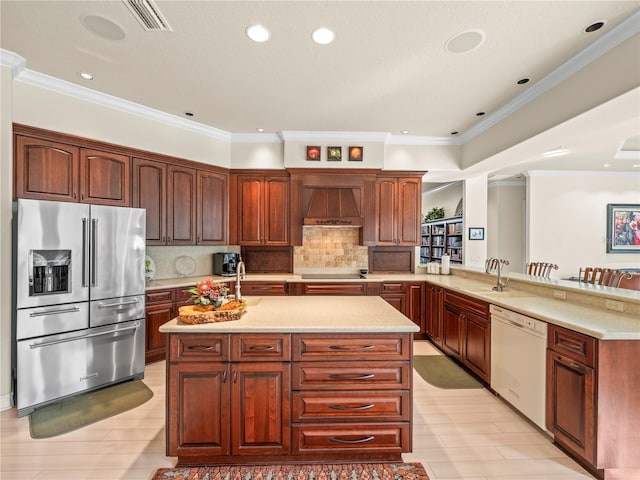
[181, 205]
[104, 178]
[398, 210]
[46, 170]
[51, 170]
[211, 208]
[261, 207]
[149, 191]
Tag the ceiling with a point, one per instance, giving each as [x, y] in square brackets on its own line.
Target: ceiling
[387, 71]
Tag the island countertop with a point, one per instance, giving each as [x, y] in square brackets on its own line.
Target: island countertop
[344, 314]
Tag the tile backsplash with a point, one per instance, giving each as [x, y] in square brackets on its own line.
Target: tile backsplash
[333, 248]
[171, 260]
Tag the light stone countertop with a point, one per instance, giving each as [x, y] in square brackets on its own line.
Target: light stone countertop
[583, 310]
[317, 314]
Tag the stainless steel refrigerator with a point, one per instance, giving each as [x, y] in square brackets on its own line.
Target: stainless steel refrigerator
[78, 284]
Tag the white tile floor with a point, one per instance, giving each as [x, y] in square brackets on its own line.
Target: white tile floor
[458, 434]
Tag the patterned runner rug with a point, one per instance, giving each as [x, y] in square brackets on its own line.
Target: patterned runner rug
[346, 471]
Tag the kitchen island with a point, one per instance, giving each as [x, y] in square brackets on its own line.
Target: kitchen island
[296, 379]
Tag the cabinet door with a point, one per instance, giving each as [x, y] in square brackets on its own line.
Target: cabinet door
[250, 210]
[415, 304]
[276, 211]
[477, 346]
[398, 300]
[409, 214]
[452, 331]
[156, 343]
[181, 211]
[198, 409]
[46, 170]
[261, 402]
[211, 215]
[570, 404]
[386, 212]
[433, 320]
[149, 191]
[104, 178]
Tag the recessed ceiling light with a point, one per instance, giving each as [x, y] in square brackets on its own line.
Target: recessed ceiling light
[454, 133]
[404, 132]
[637, 165]
[323, 36]
[479, 114]
[260, 130]
[86, 76]
[257, 33]
[188, 114]
[465, 42]
[522, 81]
[606, 165]
[594, 27]
[556, 152]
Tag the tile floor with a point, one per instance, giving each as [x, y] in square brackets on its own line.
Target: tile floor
[458, 434]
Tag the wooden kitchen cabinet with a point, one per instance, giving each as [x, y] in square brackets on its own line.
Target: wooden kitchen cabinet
[328, 288]
[149, 191]
[466, 332]
[181, 205]
[434, 296]
[408, 298]
[398, 211]
[211, 208]
[262, 209]
[590, 389]
[105, 178]
[46, 170]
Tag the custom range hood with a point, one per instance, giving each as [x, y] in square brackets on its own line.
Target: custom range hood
[332, 207]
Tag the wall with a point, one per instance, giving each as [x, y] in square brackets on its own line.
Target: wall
[505, 223]
[567, 218]
[446, 196]
[6, 194]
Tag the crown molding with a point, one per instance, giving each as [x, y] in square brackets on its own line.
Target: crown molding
[13, 61]
[607, 42]
[507, 183]
[302, 136]
[86, 94]
[423, 140]
[578, 173]
[255, 138]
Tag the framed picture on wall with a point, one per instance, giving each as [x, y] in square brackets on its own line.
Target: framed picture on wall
[623, 228]
[476, 233]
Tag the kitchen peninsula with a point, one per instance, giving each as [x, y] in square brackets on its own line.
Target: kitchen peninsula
[310, 378]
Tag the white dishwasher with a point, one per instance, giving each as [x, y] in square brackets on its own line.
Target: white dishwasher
[518, 361]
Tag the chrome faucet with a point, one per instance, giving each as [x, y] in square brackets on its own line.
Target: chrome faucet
[240, 274]
[496, 263]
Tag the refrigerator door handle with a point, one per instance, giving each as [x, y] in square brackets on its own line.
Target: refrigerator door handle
[135, 326]
[85, 252]
[119, 304]
[30, 267]
[54, 312]
[94, 252]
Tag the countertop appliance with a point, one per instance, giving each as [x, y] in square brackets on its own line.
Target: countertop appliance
[78, 293]
[518, 361]
[225, 264]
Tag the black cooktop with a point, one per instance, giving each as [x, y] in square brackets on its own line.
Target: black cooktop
[331, 276]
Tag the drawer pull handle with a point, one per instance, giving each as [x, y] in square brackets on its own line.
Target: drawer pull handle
[336, 376]
[200, 348]
[347, 348]
[361, 407]
[359, 440]
[268, 348]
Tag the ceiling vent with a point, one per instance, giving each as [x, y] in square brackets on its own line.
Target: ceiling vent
[149, 15]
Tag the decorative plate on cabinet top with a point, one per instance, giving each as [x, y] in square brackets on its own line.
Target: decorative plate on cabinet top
[149, 268]
[185, 265]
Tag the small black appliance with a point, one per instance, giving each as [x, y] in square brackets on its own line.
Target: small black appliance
[225, 264]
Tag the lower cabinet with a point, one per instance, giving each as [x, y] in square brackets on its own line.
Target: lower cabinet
[409, 299]
[466, 332]
[238, 398]
[330, 288]
[433, 313]
[161, 306]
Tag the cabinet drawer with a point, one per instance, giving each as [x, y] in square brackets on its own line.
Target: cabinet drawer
[351, 406]
[263, 347]
[572, 344]
[199, 347]
[182, 293]
[387, 438]
[351, 347]
[388, 287]
[467, 303]
[346, 288]
[264, 288]
[159, 296]
[351, 376]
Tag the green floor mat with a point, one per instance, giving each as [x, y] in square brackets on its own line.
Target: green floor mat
[77, 412]
[441, 372]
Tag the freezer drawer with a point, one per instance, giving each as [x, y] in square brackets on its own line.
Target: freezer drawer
[116, 310]
[41, 321]
[58, 366]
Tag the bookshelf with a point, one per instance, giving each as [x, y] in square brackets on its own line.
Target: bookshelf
[440, 236]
